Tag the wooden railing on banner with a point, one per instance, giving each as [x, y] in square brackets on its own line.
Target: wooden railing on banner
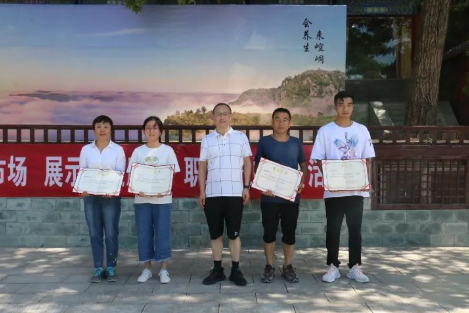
[416, 167]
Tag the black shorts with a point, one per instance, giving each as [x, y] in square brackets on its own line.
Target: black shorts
[287, 214]
[224, 209]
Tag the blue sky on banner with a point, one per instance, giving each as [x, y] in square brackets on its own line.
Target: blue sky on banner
[226, 49]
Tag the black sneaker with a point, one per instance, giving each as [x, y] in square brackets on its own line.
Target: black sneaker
[288, 272]
[269, 274]
[214, 277]
[237, 277]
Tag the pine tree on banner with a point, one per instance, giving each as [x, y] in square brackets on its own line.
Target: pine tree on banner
[422, 106]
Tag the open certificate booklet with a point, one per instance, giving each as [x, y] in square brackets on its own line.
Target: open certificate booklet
[98, 182]
[345, 175]
[282, 180]
[151, 179]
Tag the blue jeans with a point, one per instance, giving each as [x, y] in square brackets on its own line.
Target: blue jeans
[102, 215]
[153, 231]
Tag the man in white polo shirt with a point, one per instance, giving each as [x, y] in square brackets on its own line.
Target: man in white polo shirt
[224, 190]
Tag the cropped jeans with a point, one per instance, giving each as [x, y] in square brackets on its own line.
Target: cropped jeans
[154, 231]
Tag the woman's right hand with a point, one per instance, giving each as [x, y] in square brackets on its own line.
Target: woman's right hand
[84, 194]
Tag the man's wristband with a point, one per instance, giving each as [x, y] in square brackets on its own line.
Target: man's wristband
[247, 186]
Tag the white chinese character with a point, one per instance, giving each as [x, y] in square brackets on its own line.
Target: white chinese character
[2, 171]
[72, 170]
[314, 174]
[18, 172]
[53, 171]
[191, 171]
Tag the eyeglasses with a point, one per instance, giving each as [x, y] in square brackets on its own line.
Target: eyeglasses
[222, 114]
[149, 129]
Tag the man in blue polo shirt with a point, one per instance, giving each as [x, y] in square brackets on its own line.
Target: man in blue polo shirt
[286, 150]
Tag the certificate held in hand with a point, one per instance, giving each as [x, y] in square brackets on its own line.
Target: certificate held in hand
[345, 175]
[151, 179]
[282, 180]
[96, 181]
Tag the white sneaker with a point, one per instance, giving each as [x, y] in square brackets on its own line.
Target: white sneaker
[164, 277]
[356, 273]
[331, 275]
[146, 275]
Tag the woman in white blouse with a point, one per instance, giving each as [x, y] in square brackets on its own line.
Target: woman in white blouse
[153, 213]
[103, 212]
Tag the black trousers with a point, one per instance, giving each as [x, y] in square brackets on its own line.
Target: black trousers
[352, 208]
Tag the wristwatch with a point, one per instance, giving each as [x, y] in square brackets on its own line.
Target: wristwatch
[247, 186]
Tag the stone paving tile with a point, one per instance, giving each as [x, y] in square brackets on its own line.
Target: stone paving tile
[31, 279]
[175, 308]
[390, 278]
[331, 308]
[457, 278]
[456, 309]
[221, 298]
[253, 287]
[186, 288]
[10, 288]
[60, 288]
[402, 280]
[68, 270]
[257, 308]
[78, 298]
[106, 288]
[85, 278]
[425, 278]
[21, 271]
[106, 308]
[362, 297]
[391, 288]
[20, 298]
[289, 298]
[456, 298]
[406, 308]
[443, 287]
[34, 308]
[339, 285]
[150, 298]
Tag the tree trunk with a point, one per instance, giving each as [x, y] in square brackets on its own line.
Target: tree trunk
[422, 107]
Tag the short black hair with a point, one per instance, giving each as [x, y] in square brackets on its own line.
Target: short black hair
[157, 121]
[218, 104]
[341, 95]
[103, 119]
[281, 110]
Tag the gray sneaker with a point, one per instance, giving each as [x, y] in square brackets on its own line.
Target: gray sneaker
[288, 272]
[99, 273]
[269, 274]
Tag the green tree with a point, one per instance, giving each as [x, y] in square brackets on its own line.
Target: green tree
[422, 106]
[364, 47]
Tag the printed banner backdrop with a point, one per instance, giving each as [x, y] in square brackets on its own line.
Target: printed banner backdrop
[65, 64]
[49, 170]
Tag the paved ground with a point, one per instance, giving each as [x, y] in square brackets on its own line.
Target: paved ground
[408, 280]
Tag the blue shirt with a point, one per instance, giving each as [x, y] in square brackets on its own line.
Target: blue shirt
[289, 153]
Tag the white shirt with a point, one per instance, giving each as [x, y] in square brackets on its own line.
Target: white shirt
[163, 155]
[334, 142]
[225, 155]
[111, 158]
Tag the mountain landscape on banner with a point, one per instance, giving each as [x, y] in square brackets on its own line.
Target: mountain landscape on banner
[309, 96]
